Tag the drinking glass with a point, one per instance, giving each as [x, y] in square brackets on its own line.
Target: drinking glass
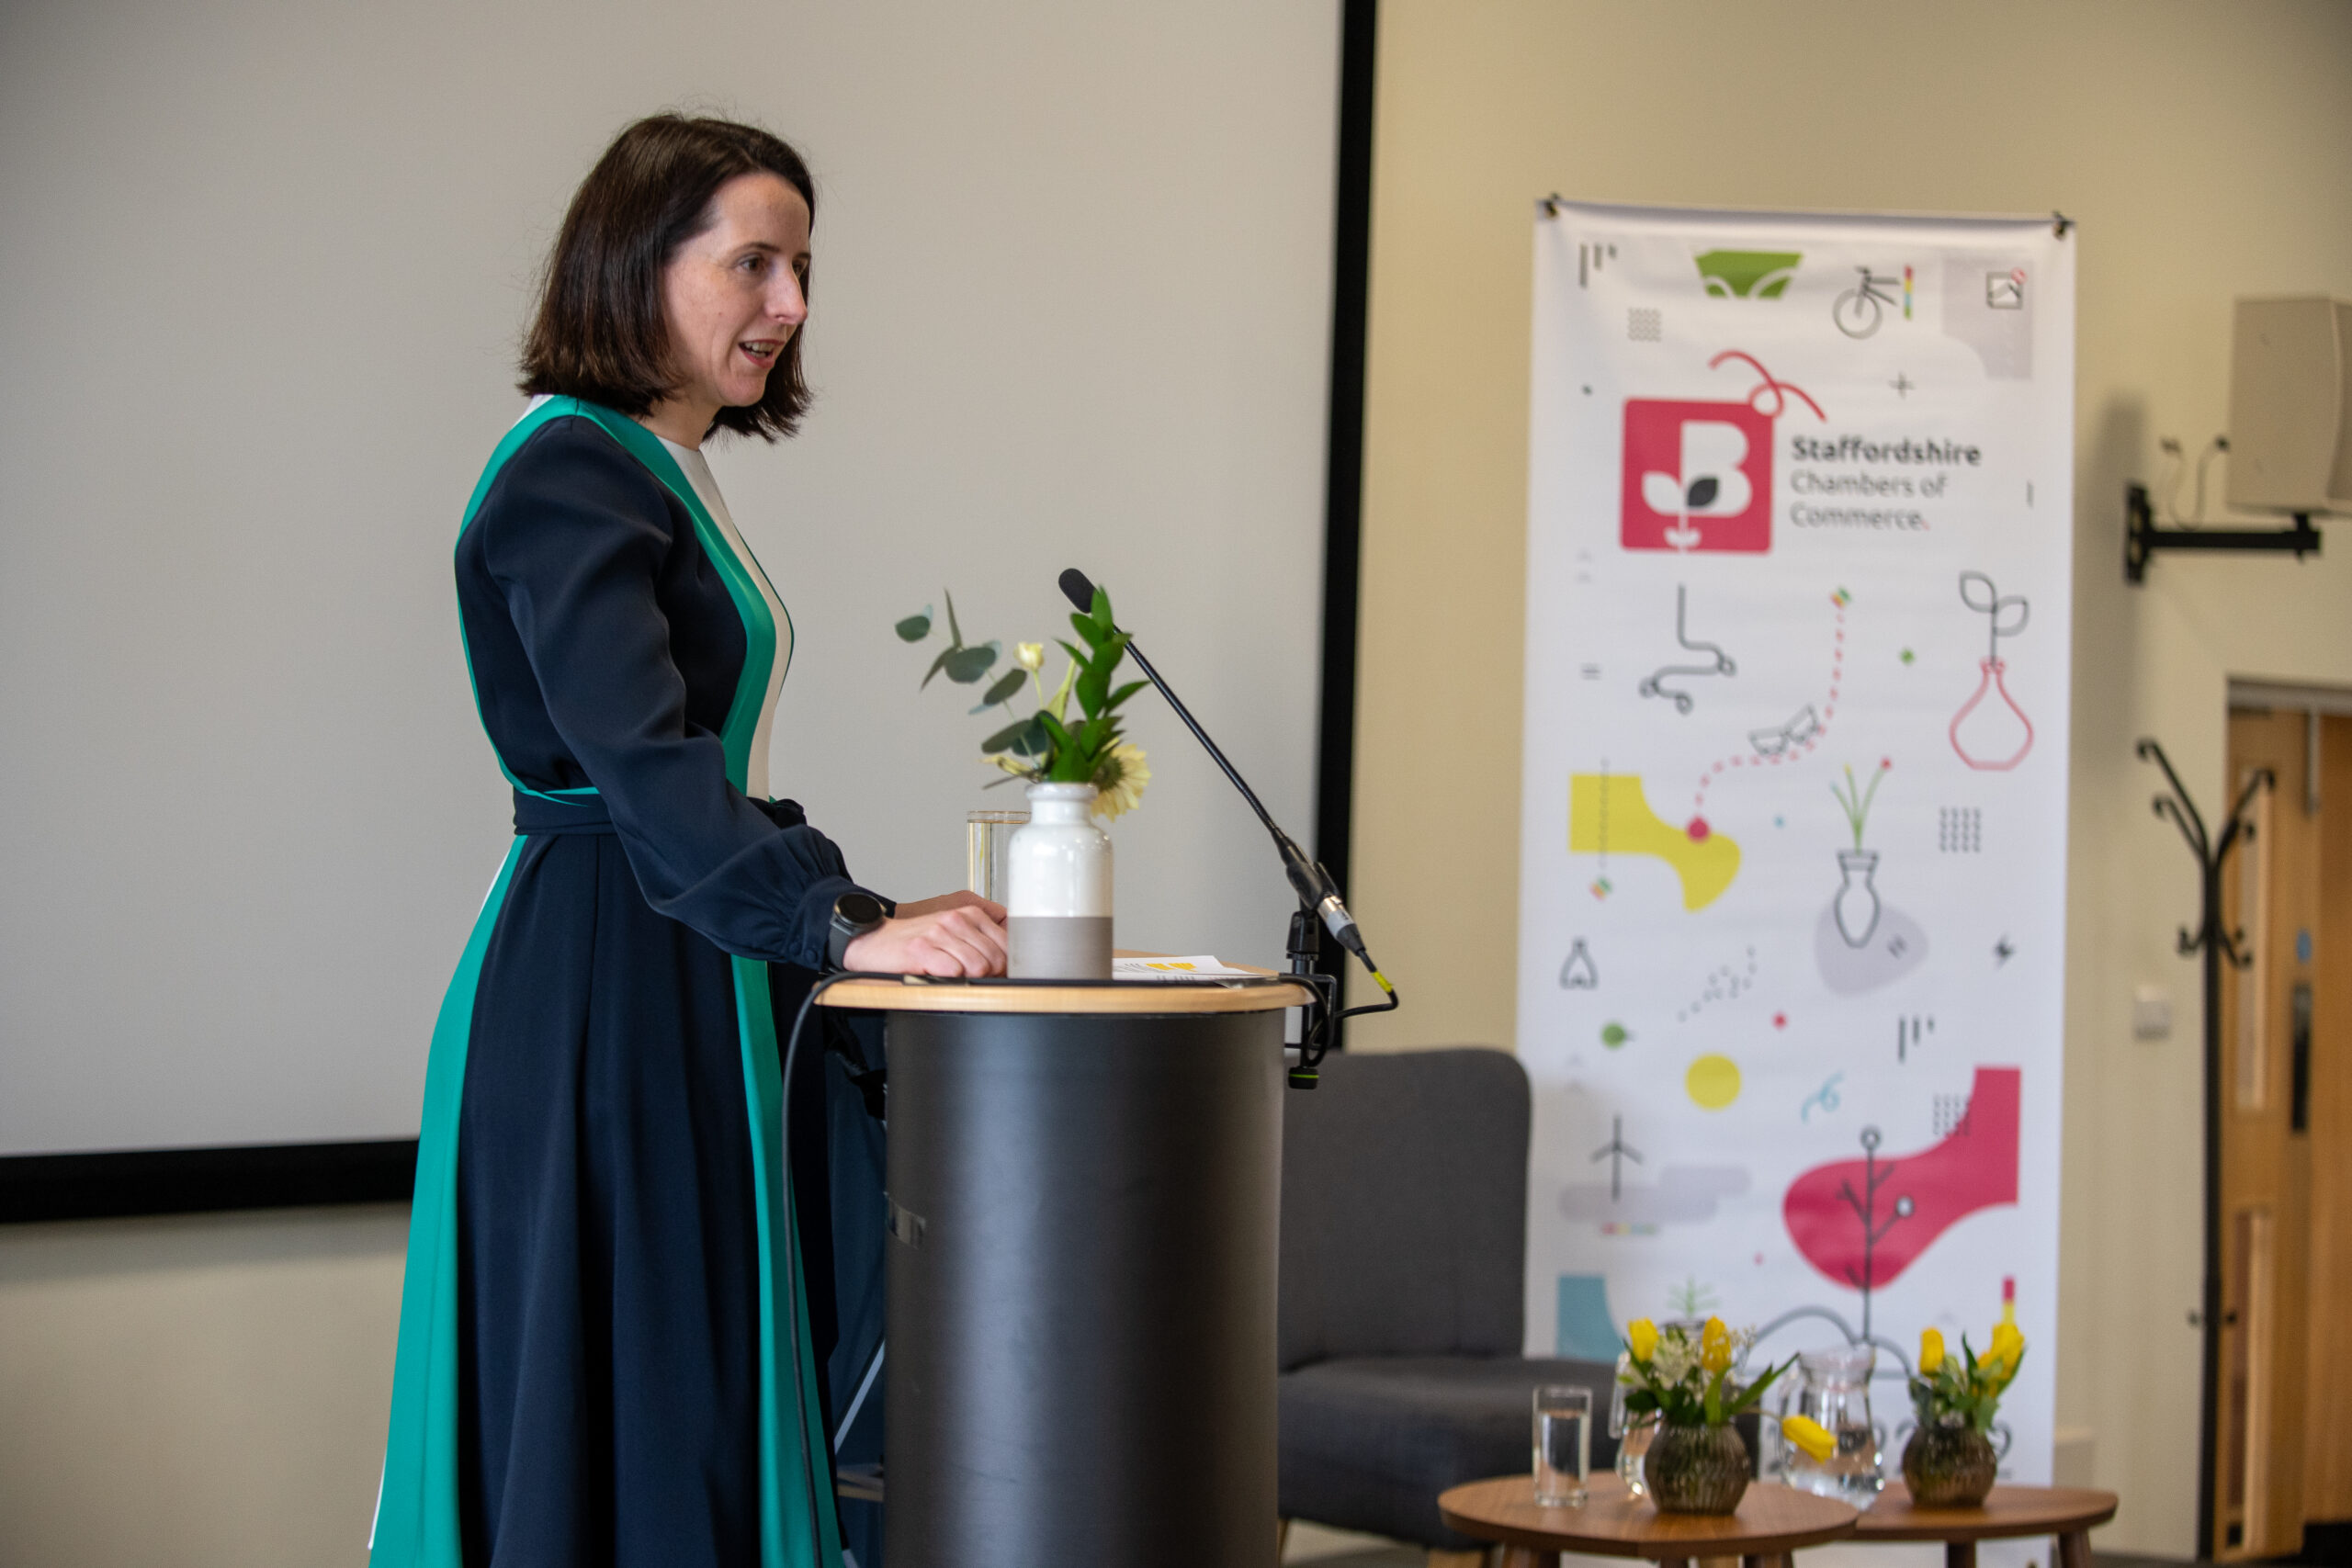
[989, 850]
[1563, 1444]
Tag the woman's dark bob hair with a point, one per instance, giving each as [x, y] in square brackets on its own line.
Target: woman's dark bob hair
[601, 331]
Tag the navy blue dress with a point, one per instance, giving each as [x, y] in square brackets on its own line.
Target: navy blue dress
[627, 1288]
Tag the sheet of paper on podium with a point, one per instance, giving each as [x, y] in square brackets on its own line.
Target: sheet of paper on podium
[1199, 966]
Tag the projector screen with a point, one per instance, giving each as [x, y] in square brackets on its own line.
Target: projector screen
[263, 272]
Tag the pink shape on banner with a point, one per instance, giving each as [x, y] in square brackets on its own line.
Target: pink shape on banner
[1907, 1201]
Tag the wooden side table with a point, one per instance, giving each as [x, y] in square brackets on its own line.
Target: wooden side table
[1772, 1522]
[2066, 1513]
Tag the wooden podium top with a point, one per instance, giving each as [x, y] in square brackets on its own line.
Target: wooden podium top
[916, 993]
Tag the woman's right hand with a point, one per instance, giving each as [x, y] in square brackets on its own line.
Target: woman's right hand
[965, 941]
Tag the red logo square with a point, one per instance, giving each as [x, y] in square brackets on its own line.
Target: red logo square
[1696, 477]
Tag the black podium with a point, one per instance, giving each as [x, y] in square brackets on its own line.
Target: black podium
[1084, 1191]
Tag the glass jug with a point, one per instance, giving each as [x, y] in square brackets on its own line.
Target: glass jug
[1834, 1389]
[1632, 1431]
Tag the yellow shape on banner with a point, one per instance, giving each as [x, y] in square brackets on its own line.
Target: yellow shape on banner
[1608, 815]
[1712, 1081]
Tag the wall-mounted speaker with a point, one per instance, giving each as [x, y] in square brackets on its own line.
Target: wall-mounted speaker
[2290, 405]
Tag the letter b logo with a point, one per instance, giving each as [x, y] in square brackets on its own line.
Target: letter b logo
[1696, 477]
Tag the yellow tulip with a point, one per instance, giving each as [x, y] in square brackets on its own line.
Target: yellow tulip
[1811, 1436]
[1714, 1346]
[1931, 1351]
[1641, 1339]
[2009, 1347]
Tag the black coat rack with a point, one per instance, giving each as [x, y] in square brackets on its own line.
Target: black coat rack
[2219, 945]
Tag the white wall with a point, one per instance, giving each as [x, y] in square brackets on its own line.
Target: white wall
[261, 276]
[2201, 148]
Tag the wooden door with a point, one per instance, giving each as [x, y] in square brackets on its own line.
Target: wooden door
[2327, 1445]
[2270, 894]
[2284, 1445]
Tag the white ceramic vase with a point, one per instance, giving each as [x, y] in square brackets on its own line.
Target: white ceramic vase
[1058, 905]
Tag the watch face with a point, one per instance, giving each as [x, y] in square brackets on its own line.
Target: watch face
[858, 909]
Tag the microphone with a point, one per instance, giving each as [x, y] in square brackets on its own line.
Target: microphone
[1314, 885]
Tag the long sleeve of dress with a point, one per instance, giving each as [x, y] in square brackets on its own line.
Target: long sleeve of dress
[587, 548]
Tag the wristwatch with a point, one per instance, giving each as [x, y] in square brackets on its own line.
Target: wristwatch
[854, 914]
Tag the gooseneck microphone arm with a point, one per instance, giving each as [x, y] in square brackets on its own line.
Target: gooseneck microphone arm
[1318, 895]
[1189, 723]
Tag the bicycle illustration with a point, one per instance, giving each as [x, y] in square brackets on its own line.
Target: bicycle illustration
[1859, 310]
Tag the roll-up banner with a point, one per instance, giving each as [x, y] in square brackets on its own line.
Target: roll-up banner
[1793, 842]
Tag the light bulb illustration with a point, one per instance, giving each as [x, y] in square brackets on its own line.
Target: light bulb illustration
[1992, 736]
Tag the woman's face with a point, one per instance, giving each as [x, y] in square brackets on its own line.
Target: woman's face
[734, 294]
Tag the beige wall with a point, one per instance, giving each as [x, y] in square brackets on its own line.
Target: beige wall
[196, 1391]
[2203, 149]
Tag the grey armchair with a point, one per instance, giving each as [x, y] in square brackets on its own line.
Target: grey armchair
[1404, 1224]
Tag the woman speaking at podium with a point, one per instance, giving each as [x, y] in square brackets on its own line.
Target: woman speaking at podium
[607, 1297]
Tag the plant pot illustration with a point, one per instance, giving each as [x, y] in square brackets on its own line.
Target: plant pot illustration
[1857, 903]
[1992, 735]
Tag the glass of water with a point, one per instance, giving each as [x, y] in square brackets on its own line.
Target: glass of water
[989, 850]
[1563, 1444]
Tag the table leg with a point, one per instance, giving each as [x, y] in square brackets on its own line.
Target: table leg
[1962, 1554]
[1674, 1562]
[1767, 1560]
[1528, 1557]
[2075, 1549]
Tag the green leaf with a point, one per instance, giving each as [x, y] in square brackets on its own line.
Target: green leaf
[940, 663]
[914, 628]
[1755, 1391]
[1033, 741]
[1009, 739]
[1124, 692]
[1007, 684]
[1715, 1402]
[955, 632]
[966, 665]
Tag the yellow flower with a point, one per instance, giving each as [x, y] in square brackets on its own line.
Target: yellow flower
[1811, 1436]
[2007, 1349]
[1030, 656]
[1714, 1346]
[1641, 1339]
[1119, 780]
[1931, 1351]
